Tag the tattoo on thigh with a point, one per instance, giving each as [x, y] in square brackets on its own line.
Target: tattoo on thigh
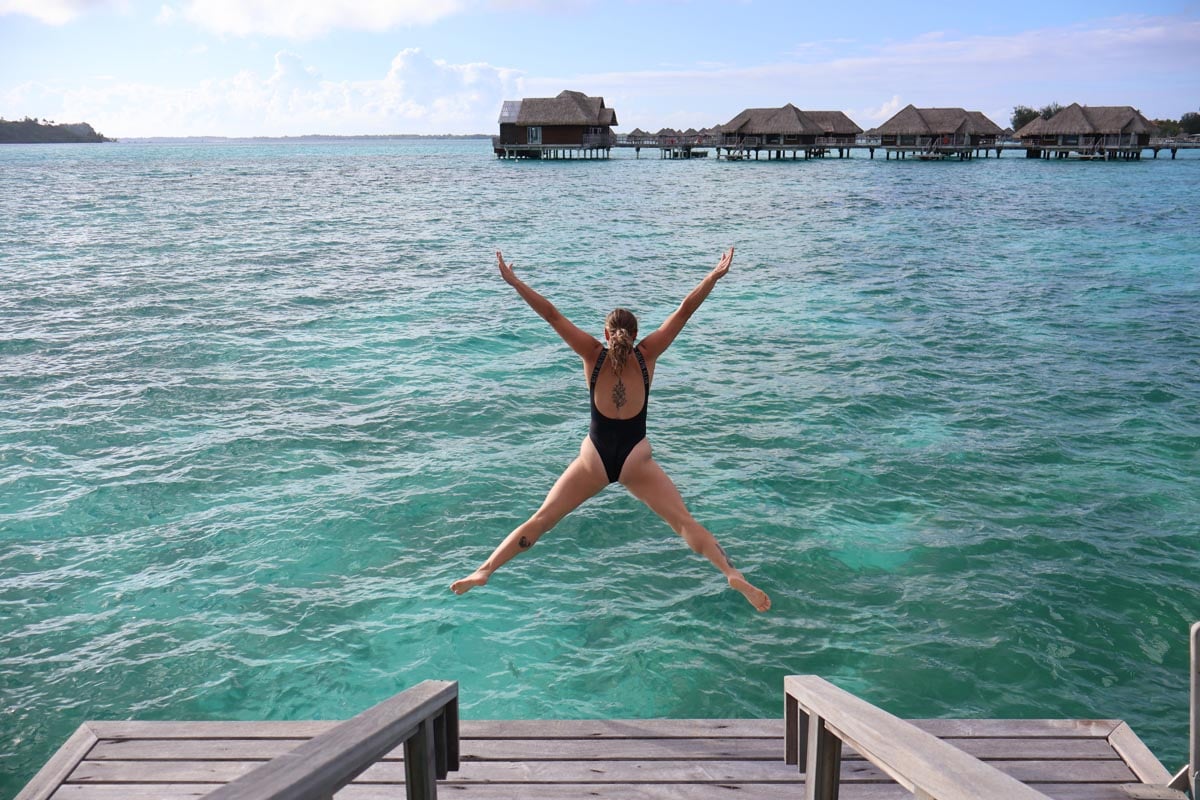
[525, 543]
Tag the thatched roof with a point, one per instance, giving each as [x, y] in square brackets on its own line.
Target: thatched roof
[907, 121]
[760, 121]
[638, 132]
[983, 125]
[569, 108]
[834, 123]
[1076, 119]
[910, 121]
[667, 132]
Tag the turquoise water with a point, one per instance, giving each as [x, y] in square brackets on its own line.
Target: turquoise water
[261, 402]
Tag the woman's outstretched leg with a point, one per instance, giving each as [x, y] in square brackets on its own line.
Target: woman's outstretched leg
[647, 481]
[583, 478]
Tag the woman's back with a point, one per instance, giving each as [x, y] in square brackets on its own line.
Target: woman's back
[620, 396]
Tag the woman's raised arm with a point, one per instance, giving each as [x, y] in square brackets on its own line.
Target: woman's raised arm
[581, 342]
[656, 343]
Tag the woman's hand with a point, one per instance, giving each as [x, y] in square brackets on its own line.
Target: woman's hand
[506, 270]
[723, 265]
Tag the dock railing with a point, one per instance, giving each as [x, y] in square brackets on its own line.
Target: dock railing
[1193, 768]
[819, 717]
[1188, 778]
[423, 718]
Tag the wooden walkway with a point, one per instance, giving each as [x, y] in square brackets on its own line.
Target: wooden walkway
[568, 760]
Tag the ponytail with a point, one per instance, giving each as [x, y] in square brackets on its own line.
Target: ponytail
[621, 325]
[620, 345]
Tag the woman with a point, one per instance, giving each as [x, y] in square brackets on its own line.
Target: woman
[616, 448]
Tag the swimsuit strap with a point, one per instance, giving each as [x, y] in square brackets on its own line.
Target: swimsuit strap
[596, 369]
[600, 361]
[645, 374]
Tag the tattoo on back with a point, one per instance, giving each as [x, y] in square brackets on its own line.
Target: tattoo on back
[525, 543]
[618, 394]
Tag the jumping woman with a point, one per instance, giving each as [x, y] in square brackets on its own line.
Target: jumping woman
[616, 448]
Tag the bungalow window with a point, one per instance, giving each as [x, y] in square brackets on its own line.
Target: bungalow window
[535, 134]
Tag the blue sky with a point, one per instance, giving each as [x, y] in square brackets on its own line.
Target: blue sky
[292, 67]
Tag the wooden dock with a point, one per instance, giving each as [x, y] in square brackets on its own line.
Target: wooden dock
[567, 760]
[828, 745]
[754, 148]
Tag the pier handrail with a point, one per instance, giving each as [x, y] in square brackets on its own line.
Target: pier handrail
[1188, 778]
[1193, 768]
[819, 717]
[423, 718]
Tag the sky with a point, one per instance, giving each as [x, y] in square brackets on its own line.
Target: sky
[295, 67]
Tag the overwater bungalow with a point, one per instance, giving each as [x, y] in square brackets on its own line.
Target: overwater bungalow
[836, 127]
[1090, 132]
[756, 128]
[639, 136]
[571, 125]
[937, 132]
[787, 130]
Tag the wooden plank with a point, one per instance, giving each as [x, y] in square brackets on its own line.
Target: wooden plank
[680, 771]
[204, 729]
[506, 791]
[914, 758]
[1145, 767]
[192, 749]
[602, 729]
[705, 749]
[1018, 728]
[64, 761]
[494, 749]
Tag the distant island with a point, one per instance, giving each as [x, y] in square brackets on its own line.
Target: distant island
[30, 131]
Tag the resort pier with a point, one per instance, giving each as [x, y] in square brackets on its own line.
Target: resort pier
[829, 744]
[922, 148]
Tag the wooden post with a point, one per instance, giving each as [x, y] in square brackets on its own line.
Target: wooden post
[822, 778]
[795, 733]
[1194, 745]
[420, 769]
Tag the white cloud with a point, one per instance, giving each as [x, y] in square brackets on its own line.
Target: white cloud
[1148, 62]
[56, 12]
[307, 19]
[418, 94]
[879, 114]
[1129, 60]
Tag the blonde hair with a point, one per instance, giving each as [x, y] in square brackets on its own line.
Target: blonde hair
[621, 325]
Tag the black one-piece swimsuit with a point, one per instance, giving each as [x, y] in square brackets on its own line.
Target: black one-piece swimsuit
[615, 439]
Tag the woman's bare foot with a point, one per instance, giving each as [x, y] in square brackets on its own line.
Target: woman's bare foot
[757, 597]
[476, 578]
